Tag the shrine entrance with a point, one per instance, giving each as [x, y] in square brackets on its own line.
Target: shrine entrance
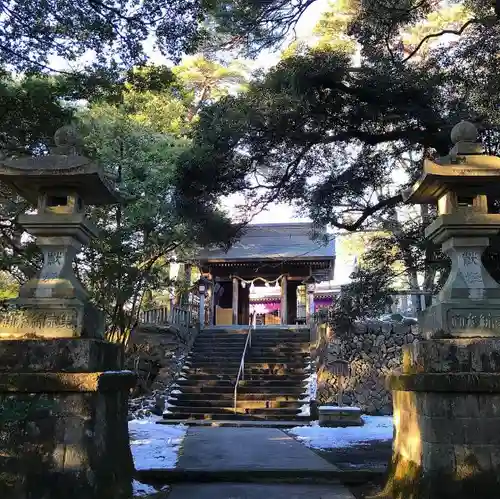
[263, 273]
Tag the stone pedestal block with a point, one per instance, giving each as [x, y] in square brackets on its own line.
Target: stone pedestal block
[63, 420]
[330, 415]
[446, 421]
[466, 318]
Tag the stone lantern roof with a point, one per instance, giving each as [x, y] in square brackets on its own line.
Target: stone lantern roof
[466, 171]
[62, 169]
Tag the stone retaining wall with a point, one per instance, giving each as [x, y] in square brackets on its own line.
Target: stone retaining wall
[373, 351]
[156, 354]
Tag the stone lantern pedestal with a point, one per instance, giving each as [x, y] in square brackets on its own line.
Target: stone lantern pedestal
[447, 397]
[63, 393]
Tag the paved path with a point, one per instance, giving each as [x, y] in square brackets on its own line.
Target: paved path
[218, 449]
[213, 449]
[258, 491]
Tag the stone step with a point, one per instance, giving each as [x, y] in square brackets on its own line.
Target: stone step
[229, 414]
[220, 349]
[248, 370]
[286, 342]
[277, 383]
[223, 330]
[293, 340]
[250, 360]
[228, 395]
[290, 411]
[280, 350]
[214, 366]
[274, 381]
[295, 378]
[253, 391]
[262, 364]
[285, 372]
[280, 343]
[241, 403]
[214, 376]
[240, 340]
[224, 359]
[206, 372]
[231, 377]
[252, 353]
[223, 334]
[281, 334]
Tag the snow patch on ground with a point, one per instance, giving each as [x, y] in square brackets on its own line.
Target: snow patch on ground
[144, 490]
[168, 405]
[305, 410]
[154, 445]
[317, 437]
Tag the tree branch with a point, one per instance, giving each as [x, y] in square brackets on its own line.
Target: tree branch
[368, 212]
[441, 33]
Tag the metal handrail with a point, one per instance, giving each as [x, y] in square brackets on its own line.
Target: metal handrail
[241, 371]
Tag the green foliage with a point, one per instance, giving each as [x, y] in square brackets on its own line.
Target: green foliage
[8, 286]
[310, 131]
[327, 137]
[31, 111]
[114, 32]
[139, 234]
[332, 28]
[14, 410]
[256, 24]
[136, 127]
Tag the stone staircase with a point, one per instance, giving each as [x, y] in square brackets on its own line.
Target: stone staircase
[276, 368]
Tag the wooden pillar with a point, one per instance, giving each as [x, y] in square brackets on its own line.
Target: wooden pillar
[244, 308]
[292, 301]
[284, 307]
[236, 288]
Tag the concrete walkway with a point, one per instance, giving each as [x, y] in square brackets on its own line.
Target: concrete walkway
[258, 491]
[219, 449]
[225, 449]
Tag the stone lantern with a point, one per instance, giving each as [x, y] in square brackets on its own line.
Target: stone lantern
[54, 303]
[460, 184]
[310, 284]
[63, 393]
[447, 397]
[203, 287]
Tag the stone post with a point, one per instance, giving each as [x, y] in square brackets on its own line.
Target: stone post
[283, 301]
[63, 393]
[203, 284]
[310, 298]
[447, 398]
[236, 289]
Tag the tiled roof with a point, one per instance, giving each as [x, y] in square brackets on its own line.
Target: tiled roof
[291, 241]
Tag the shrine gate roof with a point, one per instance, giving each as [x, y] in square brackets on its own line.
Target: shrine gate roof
[276, 241]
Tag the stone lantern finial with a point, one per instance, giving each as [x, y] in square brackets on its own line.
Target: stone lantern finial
[465, 131]
[67, 140]
[464, 136]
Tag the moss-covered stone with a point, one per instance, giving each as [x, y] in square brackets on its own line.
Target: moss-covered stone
[65, 434]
